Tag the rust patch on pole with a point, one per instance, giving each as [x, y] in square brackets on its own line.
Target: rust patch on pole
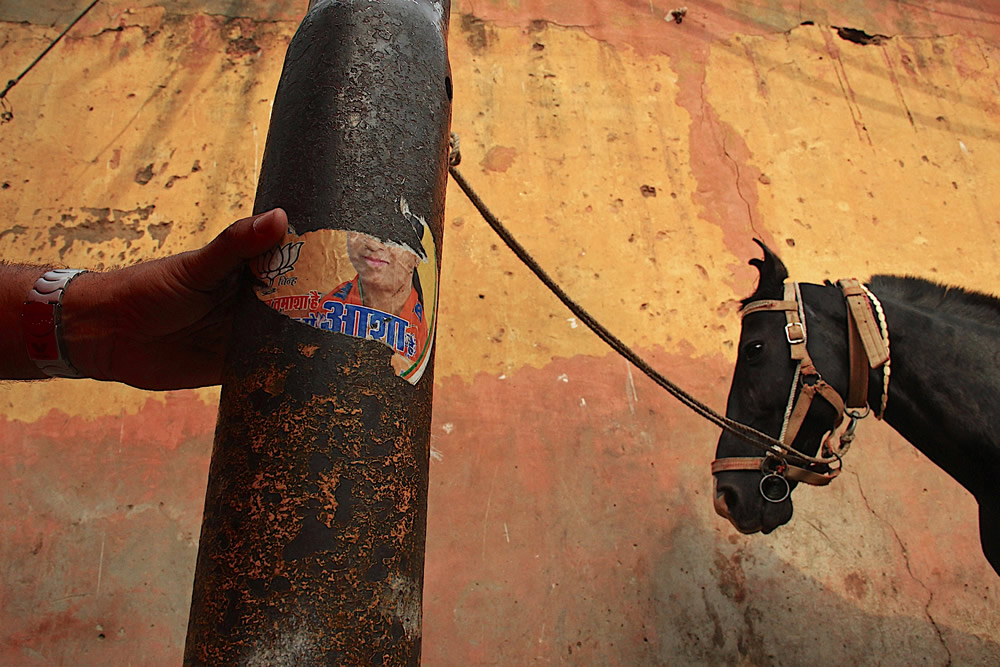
[312, 542]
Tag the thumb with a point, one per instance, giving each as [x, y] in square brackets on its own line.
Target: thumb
[242, 240]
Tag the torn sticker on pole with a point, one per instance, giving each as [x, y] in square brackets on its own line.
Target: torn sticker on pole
[356, 284]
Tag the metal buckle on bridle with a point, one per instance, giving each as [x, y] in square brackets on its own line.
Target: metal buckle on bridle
[773, 471]
[795, 333]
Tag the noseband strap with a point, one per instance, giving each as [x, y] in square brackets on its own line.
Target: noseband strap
[792, 472]
[867, 349]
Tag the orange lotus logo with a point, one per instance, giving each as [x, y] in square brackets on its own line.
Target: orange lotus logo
[277, 262]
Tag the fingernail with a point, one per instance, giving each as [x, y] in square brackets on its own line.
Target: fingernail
[261, 220]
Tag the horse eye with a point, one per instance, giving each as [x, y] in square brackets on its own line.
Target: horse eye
[753, 350]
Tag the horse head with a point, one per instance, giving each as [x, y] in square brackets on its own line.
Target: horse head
[767, 382]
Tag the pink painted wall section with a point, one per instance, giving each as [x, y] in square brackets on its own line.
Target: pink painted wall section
[100, 517]
[570, 510]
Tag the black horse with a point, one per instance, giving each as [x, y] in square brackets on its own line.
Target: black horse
[943, 390]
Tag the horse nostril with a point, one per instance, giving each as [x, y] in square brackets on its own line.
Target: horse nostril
[731, 498]
[726, 500]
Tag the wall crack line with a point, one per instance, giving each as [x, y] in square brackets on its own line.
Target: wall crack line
[906, 560]
[721, 140]
[739, 190]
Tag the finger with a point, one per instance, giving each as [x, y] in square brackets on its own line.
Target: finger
[244, 239]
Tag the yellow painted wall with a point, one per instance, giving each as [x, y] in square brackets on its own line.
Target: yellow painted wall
[570, 511]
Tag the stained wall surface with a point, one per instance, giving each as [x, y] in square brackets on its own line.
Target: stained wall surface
[570, 516]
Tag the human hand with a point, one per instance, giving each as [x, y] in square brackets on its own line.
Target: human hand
[164, 324]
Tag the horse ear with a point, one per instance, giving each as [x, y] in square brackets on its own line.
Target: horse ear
[772, 270]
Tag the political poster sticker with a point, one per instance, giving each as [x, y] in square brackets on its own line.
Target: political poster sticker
[359, 285]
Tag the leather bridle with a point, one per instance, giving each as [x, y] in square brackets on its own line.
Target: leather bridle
[868, 346]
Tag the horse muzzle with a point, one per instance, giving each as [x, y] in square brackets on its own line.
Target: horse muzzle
[745, 507]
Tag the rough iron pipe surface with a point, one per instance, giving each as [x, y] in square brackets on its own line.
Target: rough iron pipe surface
[312, 541]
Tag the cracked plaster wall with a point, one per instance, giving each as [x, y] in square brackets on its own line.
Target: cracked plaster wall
[570, 513]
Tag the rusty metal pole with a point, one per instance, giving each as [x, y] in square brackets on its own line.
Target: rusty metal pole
[312, 542]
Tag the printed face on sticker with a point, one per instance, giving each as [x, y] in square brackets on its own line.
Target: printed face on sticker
[353, 284]
[384, 271]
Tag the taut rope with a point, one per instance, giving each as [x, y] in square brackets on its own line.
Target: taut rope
[747, 433]
[7, 115]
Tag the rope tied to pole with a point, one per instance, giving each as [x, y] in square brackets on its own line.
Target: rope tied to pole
[454, 150]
